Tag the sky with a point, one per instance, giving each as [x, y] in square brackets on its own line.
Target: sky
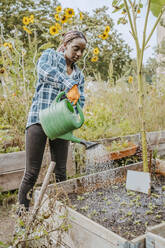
[89, 5]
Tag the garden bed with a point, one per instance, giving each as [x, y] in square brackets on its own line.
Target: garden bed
[126, 213]
[106, 214]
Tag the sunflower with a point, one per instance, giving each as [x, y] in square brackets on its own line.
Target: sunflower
[96, 51]
[10, 45]
[26, 20]
[107, 29]
[58, 9]
[130, 79]
[81, 16]
[103, 36]
[69, 12]
[5, 44]
[27, 30]
[53, 30]
[56, 17]
[31, 18]
[94, 58]
[2, 70]
[58, 26]
[64, 19]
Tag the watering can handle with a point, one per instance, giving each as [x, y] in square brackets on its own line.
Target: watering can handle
[57, 99]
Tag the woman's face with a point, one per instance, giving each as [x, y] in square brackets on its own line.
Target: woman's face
[74, 49]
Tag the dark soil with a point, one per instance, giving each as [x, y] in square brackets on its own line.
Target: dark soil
[126, 213]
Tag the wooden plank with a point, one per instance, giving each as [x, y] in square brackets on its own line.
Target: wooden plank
[10, 180]
[155, 240]
[12, 161]
[12, 166]
[138, 181]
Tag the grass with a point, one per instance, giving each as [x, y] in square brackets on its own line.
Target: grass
[109, 112]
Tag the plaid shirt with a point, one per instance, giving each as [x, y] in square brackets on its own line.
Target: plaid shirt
[53, 78]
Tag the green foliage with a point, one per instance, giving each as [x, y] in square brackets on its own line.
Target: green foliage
[157, 6]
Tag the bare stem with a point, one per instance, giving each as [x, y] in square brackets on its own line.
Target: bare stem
[154, 27]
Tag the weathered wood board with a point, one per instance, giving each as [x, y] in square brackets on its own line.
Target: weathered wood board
[155, 236]
[12, 166]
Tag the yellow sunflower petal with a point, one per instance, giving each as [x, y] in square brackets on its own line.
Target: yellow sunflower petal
[56, 17]
[31, 18]
[94, 59]
[69, 12]
[5, 44]
[58, 26]
[26, 20]
[107, 29]
[58, 9]
[104, 36]
[27, 30]
[53, 30]
[10, 45]
[81, 15]
[96, 51]
[64, 19]
[130, 79]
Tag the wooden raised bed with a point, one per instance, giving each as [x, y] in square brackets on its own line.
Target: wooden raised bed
[131, 150]
[84, 232]
[12, 166]
[155, 237]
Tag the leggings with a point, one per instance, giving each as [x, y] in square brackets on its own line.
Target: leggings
[35, 146]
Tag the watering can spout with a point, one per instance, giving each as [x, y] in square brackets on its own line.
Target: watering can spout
[88, 144]
[71, 137]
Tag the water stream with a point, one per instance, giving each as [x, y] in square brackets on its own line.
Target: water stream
[97, 159]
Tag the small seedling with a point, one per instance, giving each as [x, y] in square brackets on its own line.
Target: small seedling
[94, 212]
[103, 210]
[148, 212]
[100, 193]
[129, 213]
[108, 203]
[137, 222]
[105, 219]
[146, 224]
[80, 198]
[158, 216]
[105, 199]
[85, 208]
[115, 187]
[123, 203]
[163, 188]
[155, 195]
[131, 193]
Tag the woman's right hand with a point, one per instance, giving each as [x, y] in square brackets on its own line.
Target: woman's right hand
[73, 94]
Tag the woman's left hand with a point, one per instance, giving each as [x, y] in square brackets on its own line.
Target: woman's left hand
[73, 94]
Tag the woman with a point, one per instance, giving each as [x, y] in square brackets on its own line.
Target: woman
[56, 72]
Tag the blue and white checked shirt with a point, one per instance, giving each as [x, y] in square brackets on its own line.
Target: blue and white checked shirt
[53, 78]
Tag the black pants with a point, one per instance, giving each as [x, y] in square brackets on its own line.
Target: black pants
[35, 146]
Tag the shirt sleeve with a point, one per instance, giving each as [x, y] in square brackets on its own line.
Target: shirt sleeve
[51, 74]
[81, 91]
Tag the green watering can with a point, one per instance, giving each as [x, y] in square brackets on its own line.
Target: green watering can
[60, 119]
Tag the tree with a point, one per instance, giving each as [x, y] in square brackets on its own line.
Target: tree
[111, 47]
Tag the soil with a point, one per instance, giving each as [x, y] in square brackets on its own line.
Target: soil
[126, 213]
[7, 224]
